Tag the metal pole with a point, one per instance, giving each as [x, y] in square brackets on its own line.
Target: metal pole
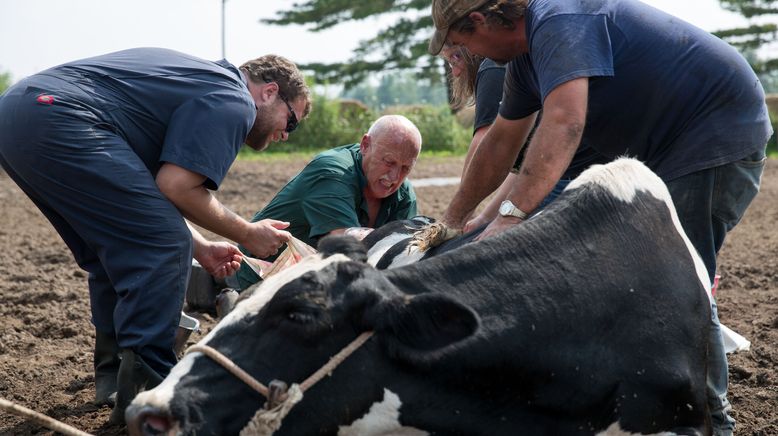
[224, 54]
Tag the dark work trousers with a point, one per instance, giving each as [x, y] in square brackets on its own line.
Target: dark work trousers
[709, 204]
[103, 201]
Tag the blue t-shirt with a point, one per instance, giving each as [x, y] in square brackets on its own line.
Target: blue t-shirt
[660, 89]
[488, 94]
[169, 106]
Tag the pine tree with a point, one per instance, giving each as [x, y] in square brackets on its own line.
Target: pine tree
[401, 46]
[758, 34]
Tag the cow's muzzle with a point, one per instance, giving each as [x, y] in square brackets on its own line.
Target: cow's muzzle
[145, 420]
[148, 421]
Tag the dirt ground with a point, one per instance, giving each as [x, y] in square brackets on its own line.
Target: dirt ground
[46, 338]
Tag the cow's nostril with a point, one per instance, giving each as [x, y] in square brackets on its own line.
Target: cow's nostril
[147, 421]
[155, 425]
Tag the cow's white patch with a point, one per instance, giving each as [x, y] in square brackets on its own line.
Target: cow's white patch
[623, 178]
[616, 430]
[382, 419]
[378, 250]
[268, 288]
[161, 395]
[411, 255]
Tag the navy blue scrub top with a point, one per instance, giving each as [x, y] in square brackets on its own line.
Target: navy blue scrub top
[169, 106]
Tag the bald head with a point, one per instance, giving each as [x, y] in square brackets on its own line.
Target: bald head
[389, 151]
[397, 132]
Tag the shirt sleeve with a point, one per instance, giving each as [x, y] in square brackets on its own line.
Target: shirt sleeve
[570, 46]
[557, 55]
[488, 93]
[520, 95]
[205, 134]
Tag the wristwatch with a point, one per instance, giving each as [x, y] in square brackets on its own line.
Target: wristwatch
[508, 209]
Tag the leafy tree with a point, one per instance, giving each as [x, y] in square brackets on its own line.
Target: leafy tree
[5, 81]
[755, 36]
[401, 46]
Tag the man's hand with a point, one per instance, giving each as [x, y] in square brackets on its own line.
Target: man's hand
[265, 237]
[475, 223]
[499, 225]
[220, 259]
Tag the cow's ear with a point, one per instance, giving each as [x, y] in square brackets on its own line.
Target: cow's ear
[424, 327]
[341, 244]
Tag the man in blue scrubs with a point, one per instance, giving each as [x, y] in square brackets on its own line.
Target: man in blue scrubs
[625, 79]
[116, 151]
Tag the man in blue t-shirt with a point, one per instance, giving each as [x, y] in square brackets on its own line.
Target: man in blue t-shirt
[485, 87]
[116, 151]
[625, 79]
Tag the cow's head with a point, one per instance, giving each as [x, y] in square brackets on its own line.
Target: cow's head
[288, 328]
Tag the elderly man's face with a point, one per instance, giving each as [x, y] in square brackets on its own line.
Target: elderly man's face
[386, 165]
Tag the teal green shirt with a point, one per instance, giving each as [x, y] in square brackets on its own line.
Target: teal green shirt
[327, 195]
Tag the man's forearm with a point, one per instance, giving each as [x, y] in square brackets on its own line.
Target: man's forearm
[185, 190]
[488, 167]
[203, 209]
[546, 160]
[554, 144]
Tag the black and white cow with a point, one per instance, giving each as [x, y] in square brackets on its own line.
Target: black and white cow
[392, 245]
[590, 318]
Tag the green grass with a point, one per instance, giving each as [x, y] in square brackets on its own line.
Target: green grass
[271, 155]
[278, 154]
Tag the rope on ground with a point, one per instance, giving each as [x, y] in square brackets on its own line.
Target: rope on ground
[41, 419]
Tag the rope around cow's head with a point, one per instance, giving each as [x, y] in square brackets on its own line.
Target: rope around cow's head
[279, 400]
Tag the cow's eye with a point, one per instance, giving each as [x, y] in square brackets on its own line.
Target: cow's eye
[302, 316]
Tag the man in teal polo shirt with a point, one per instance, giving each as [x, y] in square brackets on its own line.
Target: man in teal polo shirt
[357, 185]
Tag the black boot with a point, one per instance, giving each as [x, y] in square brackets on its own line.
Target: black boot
[106, 362]
[134, 376]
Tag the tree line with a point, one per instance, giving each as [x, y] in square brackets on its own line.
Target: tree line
[402, 46]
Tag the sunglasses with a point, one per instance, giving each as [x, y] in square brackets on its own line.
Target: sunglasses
[291, 121]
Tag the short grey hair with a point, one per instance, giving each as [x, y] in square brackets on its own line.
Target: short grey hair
[396, 128]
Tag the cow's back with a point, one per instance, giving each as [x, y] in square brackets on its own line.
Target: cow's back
[596, 301]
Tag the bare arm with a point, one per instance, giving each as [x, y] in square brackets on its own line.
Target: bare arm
[551, 150]
[185, 190]
[488, 167]
[219, 258]
[491, 209]
[478, 136]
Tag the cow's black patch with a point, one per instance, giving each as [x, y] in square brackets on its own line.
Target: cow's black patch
[340, 244]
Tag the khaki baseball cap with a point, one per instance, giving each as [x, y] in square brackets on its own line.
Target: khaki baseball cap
[444, 14]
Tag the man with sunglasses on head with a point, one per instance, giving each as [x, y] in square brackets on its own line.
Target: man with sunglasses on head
[625, 79]
[357, 185]
[118, 151]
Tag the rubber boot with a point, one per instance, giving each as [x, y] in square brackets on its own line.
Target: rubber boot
[225, 302]
[134, 376]
[106, 363]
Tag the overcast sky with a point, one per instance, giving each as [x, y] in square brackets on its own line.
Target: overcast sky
[37, 34]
